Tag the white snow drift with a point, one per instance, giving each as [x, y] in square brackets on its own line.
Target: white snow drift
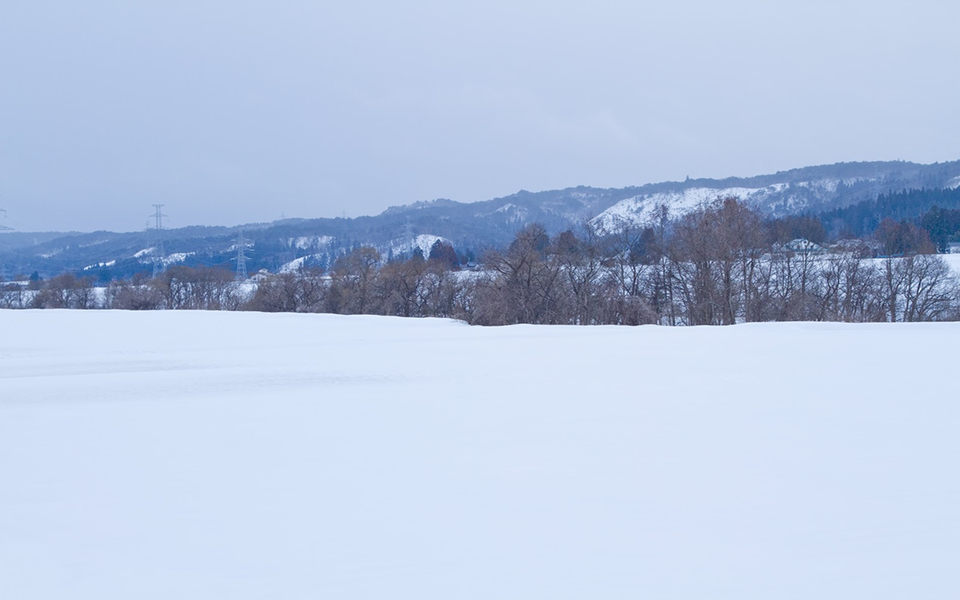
[237, 455]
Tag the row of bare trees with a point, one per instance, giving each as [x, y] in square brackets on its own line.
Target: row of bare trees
[180, 287]
[717, 265]
[714, 266]
[359, 283]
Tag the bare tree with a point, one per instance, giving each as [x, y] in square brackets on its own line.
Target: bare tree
[929, 289]
[303, 291]
[580, 260]
[401, 284]
[136, 293]
[717, 252]
[524, 282]
[353, 281]
[66, 291]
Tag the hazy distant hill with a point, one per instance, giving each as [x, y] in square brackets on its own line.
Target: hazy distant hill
[12, 240]
[292, 243]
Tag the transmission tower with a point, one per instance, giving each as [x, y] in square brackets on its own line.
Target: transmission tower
[159, 266]
[241, 258]
[3, 269]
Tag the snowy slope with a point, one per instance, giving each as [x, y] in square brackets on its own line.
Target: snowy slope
[423, 241]
[239, 455]
[296, 264]
[777, 199]
[640, 210]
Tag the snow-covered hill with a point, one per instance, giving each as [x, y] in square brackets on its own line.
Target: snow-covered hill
[640, 210]
[475, 226]
[241, 455]
[777, 199]
[422, 242]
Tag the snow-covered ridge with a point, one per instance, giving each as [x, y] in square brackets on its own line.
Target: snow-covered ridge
[423, 241]
[640, 210]
[169, 259]
[100, 265]
[176, 257]
[398, 248]
[777, 198]
[297, 264]
[513, 213]
[310, 242]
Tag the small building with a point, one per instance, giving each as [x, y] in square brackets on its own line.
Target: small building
[953, 247]
[260, 276]
[803, 246]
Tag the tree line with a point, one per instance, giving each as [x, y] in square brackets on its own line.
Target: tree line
[932, 209]
[718, 265]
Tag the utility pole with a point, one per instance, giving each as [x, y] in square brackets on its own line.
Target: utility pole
[4, 227]
[158, 264]
[241, 258]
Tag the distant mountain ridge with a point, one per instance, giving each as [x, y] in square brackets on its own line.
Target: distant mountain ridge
[806, 190]
[295, 243]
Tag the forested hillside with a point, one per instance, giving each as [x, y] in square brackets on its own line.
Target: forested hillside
[850, 199]
[720, 264]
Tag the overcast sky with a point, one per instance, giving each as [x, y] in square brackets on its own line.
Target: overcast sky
[233, 112]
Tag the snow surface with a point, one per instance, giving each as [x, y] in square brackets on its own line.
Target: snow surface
[308, 242]
[169, 259]
[514, 213]
[295, 265]
[176, 257]
[100, 265]
[424, 241]
[640, 210]
[240, 455]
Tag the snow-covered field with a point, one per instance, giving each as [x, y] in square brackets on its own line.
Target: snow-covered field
[237, 455]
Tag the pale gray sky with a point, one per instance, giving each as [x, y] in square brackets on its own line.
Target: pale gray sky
[231, 112]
